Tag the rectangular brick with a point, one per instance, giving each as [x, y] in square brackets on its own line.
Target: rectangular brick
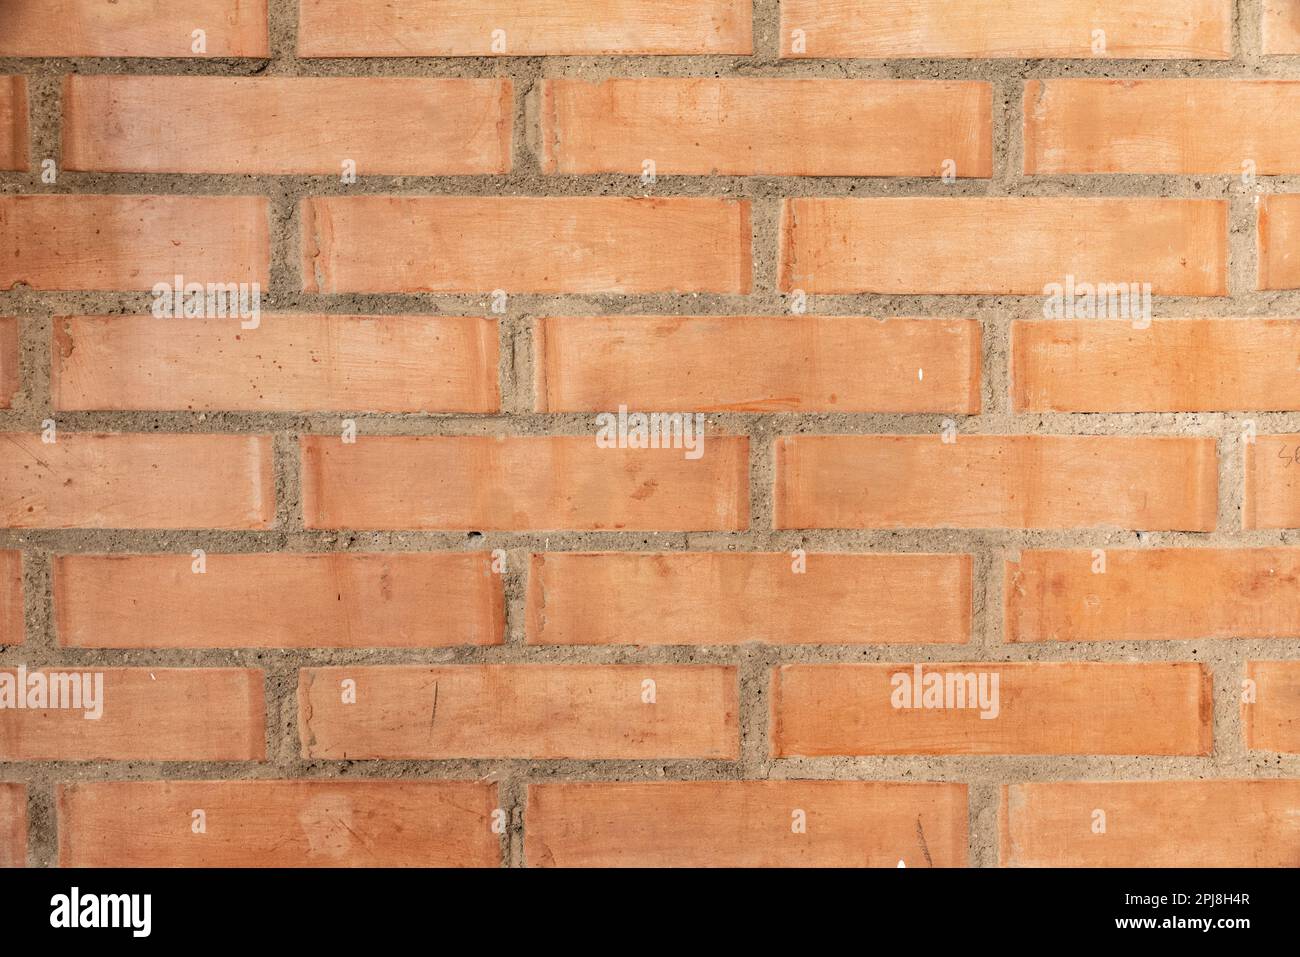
[13, 825]
[333, 28]
[767, 127]
[288, 363]
[757, 364]
[720, 598]
[585, 712]
[141, 28]
[887, 29]
[1146, 483]
[1176, 127]
[1272, 721]
[1160, 594]
[399, 600]
[97, 480]
[1002, 246]
[1175, 365]
[1281, 27]
[525, 244]
[10, 361]
[132, 243]
[1150, 824]
[522, 483]
[148, 714]
[1039, 708]
[1271, 497]
[12, 626]
[1279, 240]
[746, 824]
[278, 824]
[13, 121]
[416, 126]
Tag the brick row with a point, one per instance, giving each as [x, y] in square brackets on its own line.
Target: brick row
[1270, 716]
[141, 28]
[12, 627]
[10, 361]
[13, 123]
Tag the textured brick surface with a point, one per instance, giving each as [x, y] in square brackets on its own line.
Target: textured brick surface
[986, 312]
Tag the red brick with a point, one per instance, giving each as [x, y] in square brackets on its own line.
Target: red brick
[524, 244]
[769, 127]
[1175, 365]
[522, 483]
[887, 29]
[288, 363]
[13, 121]
[746, 824]
[398, 600]
[585, 712]
[1281, 28]
[10, 361]
[1159, 708]
[1279, 240]
[1160, 594]
[149, 714]
[1271, 497]
[1175, 127]
[270, 125]
[1002, 246]
[13, 825]
[1150, 824]
[718, 598]
[996, 481]
[93, 480]
[278, 824]
[1272, 721]
[133, 242]
[332, 28]
[757, 364]
[12, 628]
[138, 28]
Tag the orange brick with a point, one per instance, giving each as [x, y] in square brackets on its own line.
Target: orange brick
[12, 627]
[148, 714]
[133, 242]
[271, 125]
[332, 28]
[996, 481]
[1272, 721]
[10, 370]
[1279, 240]
[1161, 126]
[1039, 708]
[140, 28]
[288, 363]
[887, 29]
[757, 364]
[1271, 497]
[1002, 246]
[746, 824]
[13, 825]
[717, 598]
[524, 244]
[771, 127]
[522, 483]
[405, 600]
[1160, 594]
[1281, 27]
[519, 711]
[93, 480]
[278, 824]
[1150, 824]
[13, 121]
[1175, 365]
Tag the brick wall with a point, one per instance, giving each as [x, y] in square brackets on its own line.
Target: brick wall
[953, 580]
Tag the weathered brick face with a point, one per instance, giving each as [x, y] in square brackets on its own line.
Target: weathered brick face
[650, 432]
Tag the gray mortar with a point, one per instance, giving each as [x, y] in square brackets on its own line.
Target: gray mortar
[990, 547]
